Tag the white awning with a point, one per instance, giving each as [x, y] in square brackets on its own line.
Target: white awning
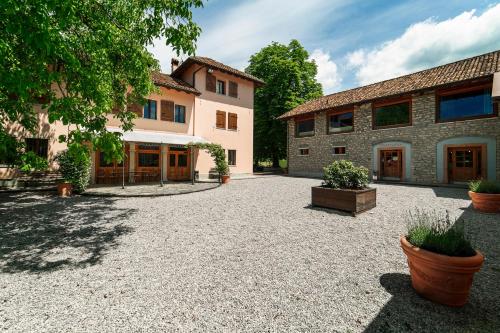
[157, 137]
[495, 93]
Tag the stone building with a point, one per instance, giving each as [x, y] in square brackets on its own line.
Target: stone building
[438, 125]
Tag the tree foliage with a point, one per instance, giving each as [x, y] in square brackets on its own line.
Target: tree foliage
[81, 58]
[217, 153]
[290, 81]
[74, 165]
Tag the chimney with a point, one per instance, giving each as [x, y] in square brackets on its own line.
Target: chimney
[175, 64]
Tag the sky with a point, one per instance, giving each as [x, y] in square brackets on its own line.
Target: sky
[353, 42]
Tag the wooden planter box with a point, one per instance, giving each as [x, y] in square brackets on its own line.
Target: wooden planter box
[353, 201]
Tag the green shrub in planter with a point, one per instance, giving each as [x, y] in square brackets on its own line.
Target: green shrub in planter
[74, 166]
[345, 175]
[485, 186]
[438, 233]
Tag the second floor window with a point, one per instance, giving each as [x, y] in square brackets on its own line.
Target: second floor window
[232, 121]
[305, 127]
[221, 87]
[220, 121]
[341, 122]
[180, 114]
[392, 115]
[150, 110]
[465, 105]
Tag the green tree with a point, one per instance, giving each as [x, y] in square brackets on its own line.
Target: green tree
[290, 81]
[80, 59]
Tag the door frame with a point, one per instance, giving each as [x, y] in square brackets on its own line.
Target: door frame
[403, 161]
[484, 158]
[187, 152]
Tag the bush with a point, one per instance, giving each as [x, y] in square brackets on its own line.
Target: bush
[437, 233]
[217, 153]
[32, 162]
[343, 174]
[484, 186]
[74, 165]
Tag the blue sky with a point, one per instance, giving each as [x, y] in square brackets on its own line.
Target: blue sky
[353, 42]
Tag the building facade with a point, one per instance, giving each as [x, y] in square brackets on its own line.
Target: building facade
[432, 127]
[202, 100]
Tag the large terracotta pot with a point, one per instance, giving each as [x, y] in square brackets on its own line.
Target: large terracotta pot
[64, 189]
[485, 202]
[225, 179]
[440, 278]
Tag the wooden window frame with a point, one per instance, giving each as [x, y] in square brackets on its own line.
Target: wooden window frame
[175, 111]
[304, 148]
[38, 146]
[337, 112]
[232, 90]
[229, 160]
[148, 103]
[229, 123]
[393, 101]
[301, 119]
[461, 90]
[217, 87]
[335, 154]
[225, 119]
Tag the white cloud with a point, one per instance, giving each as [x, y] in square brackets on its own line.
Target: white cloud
[328, 74]
[233, 34]
[163, 54]
[429, 43]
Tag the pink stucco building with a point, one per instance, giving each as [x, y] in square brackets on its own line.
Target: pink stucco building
[202, 100]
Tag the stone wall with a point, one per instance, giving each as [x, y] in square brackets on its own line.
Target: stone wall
[423, 135]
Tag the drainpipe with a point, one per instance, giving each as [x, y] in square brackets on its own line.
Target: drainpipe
[161, 164]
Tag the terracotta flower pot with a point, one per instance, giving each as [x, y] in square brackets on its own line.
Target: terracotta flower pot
[64, 189]
[440, 278]
[225, 179]
[485, 202]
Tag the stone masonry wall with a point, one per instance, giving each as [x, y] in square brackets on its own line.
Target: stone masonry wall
[424, 135]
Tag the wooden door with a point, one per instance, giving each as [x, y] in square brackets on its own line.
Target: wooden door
[147, 163]
[465, 164]
[179, 167]
[391, 164]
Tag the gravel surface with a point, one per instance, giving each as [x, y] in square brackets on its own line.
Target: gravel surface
[150, 190]
[249, 256]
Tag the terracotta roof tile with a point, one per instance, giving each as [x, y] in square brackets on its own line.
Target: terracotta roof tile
[464, 70]
[217, 65]
[166, 80]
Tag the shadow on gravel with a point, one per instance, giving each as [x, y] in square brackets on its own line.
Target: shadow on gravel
[451, 192]
[408, 312]
[40, 232]
[328, 210]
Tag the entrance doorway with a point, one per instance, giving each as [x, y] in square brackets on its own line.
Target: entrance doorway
[178, 163]
[391, 164]
[466, 163]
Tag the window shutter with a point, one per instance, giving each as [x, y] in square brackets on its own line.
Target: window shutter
[233, 89]
[210, 82]
[167, 110]
[221, 119]
[232, 121]
[135, 108]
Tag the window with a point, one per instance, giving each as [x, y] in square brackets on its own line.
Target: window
[232, 121]
[38, 146]
[220, 121]
[339, 150]
[305, 127]
[103, 163]
[303, 151]
[233, 89]
[221, 87]
[149, 159]
[465, 105]
[150, 110]
[180, 114]
[342, 122]
[231, 157]
[392, 115]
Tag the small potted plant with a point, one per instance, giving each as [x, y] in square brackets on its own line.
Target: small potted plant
[441, 260]
[74, 166]
[345, 187]
[485, 195]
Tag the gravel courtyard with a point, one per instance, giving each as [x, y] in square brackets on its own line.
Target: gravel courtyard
[251, 256]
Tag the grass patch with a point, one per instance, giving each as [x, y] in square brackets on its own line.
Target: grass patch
[439, 234]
